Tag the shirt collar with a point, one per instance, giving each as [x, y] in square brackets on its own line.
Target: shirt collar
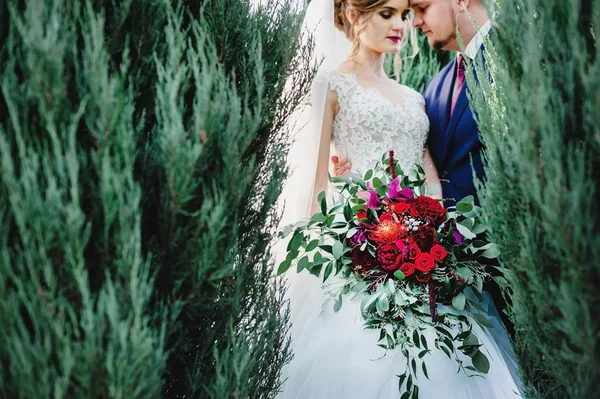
[473, 47]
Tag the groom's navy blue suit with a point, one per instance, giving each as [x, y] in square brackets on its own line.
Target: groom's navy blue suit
[456, 149]
[453, 139]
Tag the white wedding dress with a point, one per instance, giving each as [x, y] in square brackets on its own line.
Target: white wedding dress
[334, 357]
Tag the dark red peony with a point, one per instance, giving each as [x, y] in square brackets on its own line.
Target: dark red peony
[424, 237]
[389, 257]
[439, 253]
[362, 261]
[407, 268]
[424, 262]
[423, 207]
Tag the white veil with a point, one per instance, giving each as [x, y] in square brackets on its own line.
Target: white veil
[331, 48]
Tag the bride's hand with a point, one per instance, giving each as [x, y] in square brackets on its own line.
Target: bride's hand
[340, 168]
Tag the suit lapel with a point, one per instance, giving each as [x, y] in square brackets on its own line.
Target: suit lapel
[445, 103]
[459, 109]
[462, 103]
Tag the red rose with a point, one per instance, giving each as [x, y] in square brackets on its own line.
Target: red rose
[400, 207]
[362, 261]
[386, 217]
[438, 252]
[389, 257]
[361, 215]
[424, 262]
[423, 278]
[407, 268]
[423, 207]
[413, 251]
[424, 237]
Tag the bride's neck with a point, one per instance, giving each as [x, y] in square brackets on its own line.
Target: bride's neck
[368, 63]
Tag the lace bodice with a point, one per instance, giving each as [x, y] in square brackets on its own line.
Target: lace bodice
[369, 124]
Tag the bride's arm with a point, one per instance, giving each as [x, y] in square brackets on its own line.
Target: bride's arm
[431, 175]
[321, 178]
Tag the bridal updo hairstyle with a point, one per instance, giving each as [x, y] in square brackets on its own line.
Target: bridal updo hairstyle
[368, 7]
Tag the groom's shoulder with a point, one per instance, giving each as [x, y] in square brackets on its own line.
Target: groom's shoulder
[437, 79]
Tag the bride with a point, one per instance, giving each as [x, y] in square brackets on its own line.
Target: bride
[357, 113]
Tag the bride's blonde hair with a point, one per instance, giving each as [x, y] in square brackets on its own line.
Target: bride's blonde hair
[366, 8]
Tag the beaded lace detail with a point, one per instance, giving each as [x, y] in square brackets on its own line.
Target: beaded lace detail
[369, 124]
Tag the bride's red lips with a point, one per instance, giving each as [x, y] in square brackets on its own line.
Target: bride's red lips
[395, 39]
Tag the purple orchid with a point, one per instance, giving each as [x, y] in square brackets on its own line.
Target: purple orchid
[457, 237]
[358, 238]
[371, 197]
[398, 195]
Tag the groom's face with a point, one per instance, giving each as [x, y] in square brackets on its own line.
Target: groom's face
[437, 20]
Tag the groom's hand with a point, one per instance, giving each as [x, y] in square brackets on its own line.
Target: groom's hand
[340, 168]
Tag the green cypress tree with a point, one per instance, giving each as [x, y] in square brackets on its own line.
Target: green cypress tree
[539, 116]
[139, 164]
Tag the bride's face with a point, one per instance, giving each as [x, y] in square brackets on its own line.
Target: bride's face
[382, 30]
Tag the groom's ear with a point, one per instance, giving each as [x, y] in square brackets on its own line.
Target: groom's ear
[463, 4]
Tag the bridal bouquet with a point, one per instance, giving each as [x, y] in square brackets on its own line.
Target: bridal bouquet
[408, 257]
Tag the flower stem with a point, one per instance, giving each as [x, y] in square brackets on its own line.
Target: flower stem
[392, 165]
[431, 300]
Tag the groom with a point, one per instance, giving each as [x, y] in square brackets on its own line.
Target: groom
[453, 134]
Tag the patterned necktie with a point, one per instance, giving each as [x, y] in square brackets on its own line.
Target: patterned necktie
[460, 80]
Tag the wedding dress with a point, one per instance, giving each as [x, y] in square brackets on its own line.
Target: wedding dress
[334, 357]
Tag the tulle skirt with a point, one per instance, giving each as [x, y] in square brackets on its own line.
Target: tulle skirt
[335, 357]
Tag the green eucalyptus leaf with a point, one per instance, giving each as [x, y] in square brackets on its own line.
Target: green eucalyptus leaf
[368, 175]
[458, 302]
[339, 225]
[351, 232]
[303, 263]
[284, 266]
[318, 218]
[465, 231]
[399, 275]
[401, 380]
[465, 273]
[312, 245]
[321, 196]
[337, 250]
[465, 204]
[323, 202]
[338, 304]
[492, 252]
[481, 362]
[328, 271]
[376, 182]
[383, 304]
[415, 338]
[424, 367]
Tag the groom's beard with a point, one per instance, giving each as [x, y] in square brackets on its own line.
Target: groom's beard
[440, 44]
